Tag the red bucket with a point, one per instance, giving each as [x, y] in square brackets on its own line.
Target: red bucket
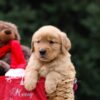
[13, 89]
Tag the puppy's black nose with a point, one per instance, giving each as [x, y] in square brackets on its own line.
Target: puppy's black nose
[42, 52]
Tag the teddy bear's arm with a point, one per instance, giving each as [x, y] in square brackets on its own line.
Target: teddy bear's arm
[4, 67]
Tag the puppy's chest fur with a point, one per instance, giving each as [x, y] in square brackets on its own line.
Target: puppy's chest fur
[59, 65]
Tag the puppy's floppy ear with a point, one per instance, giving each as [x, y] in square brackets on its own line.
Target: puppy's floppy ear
[66, 44]
[32, 46]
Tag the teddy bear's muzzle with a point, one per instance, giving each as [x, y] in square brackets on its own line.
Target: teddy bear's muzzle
[7, 32]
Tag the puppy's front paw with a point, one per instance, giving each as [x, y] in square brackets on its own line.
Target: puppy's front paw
[50, 87]
[30, 85]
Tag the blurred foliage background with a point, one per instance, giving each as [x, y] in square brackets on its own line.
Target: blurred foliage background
[80, 19]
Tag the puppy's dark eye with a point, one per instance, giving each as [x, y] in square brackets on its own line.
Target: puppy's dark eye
[38, 41]
[51, 42]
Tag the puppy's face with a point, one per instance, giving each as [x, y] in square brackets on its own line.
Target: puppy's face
[47, 43]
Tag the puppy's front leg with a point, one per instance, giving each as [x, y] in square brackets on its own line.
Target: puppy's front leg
[31, 80]
[52, 79]
[31, 74]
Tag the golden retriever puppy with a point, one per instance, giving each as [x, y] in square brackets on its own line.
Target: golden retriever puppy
[50, 58]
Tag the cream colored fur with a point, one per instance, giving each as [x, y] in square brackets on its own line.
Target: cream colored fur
[55, 65]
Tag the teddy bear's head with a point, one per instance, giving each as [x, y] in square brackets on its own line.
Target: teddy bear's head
[8, 31]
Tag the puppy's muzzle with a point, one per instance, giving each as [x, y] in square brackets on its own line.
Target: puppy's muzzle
[42, 52]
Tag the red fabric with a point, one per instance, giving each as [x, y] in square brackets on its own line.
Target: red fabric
[17, 57]
[13, 89]
[4, 50]
[2, 86]
[75, 86]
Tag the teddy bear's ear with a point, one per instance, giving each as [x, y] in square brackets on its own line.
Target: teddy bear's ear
[66, 44]
[17, 36]
[14, 30]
